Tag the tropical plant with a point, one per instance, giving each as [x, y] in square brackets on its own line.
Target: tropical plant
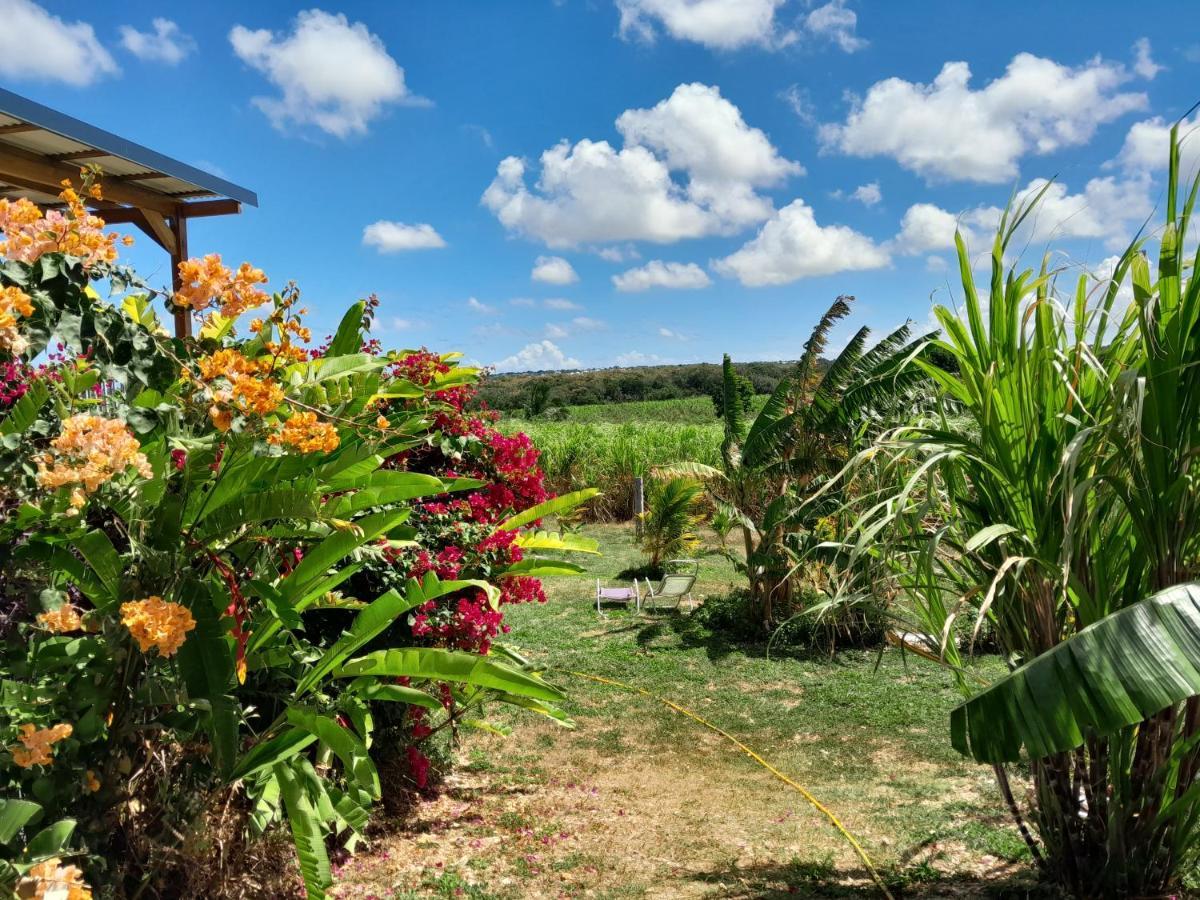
[802, 434]
[171, 515]
[1061, 511]
[670, 521]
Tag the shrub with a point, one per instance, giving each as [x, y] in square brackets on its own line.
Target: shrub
[171, 515]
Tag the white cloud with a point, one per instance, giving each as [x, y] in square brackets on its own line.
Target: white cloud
[791, 245]
[618, 254]
[583, 323]
[837, 24]
[936, 264]
[590, 192]
[394, 237]
[659, 274]
[801, 103]
[398, 324]
[672, 335]
[537, 357]
[482, 308]
[38, 46]
[557, 332]
[526, 302]
[1148, 142]
[1143, 62]
[947, 131]
[165, 44]
[637, 358]
[332, 74]
[560, 303]
[1102, 275]
[927, 227]
[719, 24]
[867, 194]
[553, 270]
[1107, 209]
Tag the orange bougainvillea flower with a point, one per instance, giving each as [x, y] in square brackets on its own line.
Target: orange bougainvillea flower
[63, 620]
[14, 303]
[37, 744]
[222, 419]
[155, 622]
[75, 232]
[51, 880]
[89, 452]
[382, 423]
[208, 282]
[92, 782]
[308, 435]
[256, 395]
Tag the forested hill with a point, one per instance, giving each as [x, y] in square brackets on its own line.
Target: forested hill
[508, 392]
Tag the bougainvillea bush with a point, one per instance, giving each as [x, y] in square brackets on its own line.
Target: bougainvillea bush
[173, 515]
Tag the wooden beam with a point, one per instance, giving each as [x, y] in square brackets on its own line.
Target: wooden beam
[183, 316]
[157, 228]
[196, 210]
[79, 154]
[18, 128]
[32, 167]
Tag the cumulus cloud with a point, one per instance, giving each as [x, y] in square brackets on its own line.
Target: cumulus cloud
[590, 192]
[556, 331]
[835, 23]
[791, 246]
[719, 24]
[164, 44]
[1147, 143]
[867, 194]
[1143, 62]
[482, 308]
[948, 131]
[537, 357]
[1108, 209]
[395, 237]
[583, 323]
[38, 46]
[560, 303]
[672, 335]
[659, 274]
[553, 270]
[801, 103]
[332, 74]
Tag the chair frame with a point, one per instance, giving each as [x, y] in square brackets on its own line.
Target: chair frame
[637, 598]
[652, 595]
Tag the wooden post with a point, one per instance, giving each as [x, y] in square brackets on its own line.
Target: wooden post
[639, 504]
[183, 316]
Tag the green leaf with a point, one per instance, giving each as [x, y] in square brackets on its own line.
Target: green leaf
[279, 748]
[370, 689]
[346, 745]
[50, 841]
[307, 832]
[206, 661]
[449, 665]
[14, 815]
[1081, 687]
[542, 568]
[348, 338]
[550, 507]
[548, 540]
[25, 411]
[96, 548]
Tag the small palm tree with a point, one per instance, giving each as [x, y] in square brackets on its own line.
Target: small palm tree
[671, 519]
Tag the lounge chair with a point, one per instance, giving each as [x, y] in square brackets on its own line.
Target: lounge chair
[618, 595]
[674, 585]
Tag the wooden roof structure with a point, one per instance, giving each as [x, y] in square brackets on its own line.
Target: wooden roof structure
[39, 147]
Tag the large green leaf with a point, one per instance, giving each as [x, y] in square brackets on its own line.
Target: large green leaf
[14, 815]
[551, 507]
[346, 745]
[449, 665]
[548, 540]
[24, 412]
[543, 568]
[1111, 675]
[279, 748]
[348, 338]
[307, 831]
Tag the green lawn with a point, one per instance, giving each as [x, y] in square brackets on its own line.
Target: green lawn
[639, 801]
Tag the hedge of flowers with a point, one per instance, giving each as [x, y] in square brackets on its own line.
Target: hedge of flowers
[176, 517]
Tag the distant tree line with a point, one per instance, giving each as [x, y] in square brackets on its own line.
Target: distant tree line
[540, 390]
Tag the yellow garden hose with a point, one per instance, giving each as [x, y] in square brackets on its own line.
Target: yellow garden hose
[816, 804]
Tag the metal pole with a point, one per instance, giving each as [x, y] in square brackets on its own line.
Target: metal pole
[639, 504]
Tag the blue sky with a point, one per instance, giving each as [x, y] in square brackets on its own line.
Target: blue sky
[684, 177]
